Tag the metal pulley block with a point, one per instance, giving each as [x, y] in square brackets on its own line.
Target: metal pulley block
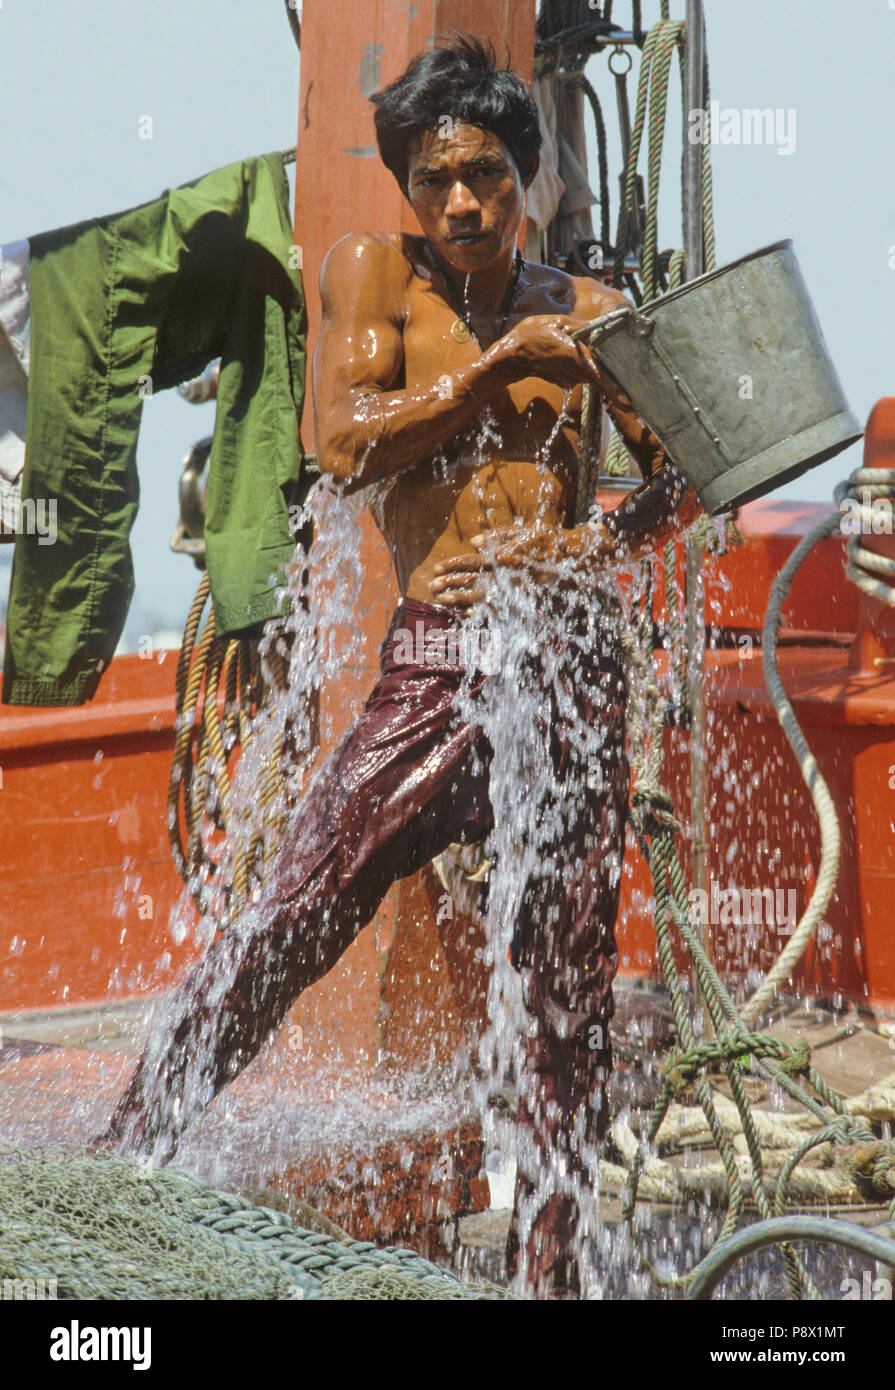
[202, 388]
[189, 533]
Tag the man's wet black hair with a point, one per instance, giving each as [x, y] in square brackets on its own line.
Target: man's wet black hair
[458, 78]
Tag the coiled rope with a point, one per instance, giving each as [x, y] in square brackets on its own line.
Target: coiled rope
[864, 488]
[221, 687]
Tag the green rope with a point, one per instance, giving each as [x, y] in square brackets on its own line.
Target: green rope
[676, 646]
[685, 1033]
[589, 456]
[708, 202]
[668, 36]
[652, 95]
[814, 1228]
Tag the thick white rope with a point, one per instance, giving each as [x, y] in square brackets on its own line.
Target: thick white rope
[865, 487]
[873, 484]
[828, 871]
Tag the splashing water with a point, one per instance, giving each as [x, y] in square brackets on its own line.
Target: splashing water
[537, 868]
[319, 637]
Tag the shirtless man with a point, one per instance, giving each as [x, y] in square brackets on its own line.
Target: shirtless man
[422, 335]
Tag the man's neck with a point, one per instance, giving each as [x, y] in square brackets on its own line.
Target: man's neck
[487, 289]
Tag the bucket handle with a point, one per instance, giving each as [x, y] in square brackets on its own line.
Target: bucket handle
[611, 323]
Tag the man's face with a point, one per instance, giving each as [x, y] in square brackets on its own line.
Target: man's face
[465, 189]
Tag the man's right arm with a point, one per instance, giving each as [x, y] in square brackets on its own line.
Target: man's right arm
[366, 430]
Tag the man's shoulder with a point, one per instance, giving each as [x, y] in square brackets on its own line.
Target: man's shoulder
[594, 298]
[584, 296]
[383, 250]
[367, 264]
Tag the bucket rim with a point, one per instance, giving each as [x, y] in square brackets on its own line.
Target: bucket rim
[713, 274]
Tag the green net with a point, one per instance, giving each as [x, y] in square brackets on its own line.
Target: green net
[105, 1228]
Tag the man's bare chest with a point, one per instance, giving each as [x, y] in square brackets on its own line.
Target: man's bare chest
[439, 345]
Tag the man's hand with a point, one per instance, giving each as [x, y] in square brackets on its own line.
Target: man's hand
[543, 346]
[654, 513]
[535, 553]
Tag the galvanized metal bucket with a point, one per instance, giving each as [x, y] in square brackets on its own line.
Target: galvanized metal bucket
[732, 375]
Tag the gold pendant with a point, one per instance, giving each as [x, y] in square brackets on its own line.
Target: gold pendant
[460, 332]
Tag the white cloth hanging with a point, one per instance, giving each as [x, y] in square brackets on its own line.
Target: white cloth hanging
[547, 188]
[15, 349]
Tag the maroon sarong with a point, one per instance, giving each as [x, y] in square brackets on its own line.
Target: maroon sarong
[409, 779]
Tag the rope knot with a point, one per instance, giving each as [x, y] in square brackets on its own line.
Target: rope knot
[797, 1059]
[652, 812]
[680, 1069]
[873, 1168]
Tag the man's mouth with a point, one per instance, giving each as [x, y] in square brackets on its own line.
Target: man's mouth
[467, 238]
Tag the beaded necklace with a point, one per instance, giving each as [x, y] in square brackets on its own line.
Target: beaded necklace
[461, 329]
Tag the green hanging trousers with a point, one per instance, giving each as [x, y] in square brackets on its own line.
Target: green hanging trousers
[122, 306]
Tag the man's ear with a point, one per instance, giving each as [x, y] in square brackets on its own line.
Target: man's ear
[530, 170]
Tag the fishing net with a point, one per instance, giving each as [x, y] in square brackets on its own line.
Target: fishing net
[105, 1228]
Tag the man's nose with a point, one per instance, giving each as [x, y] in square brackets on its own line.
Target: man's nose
[462, 202]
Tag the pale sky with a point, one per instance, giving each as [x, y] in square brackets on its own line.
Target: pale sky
[220, 82]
